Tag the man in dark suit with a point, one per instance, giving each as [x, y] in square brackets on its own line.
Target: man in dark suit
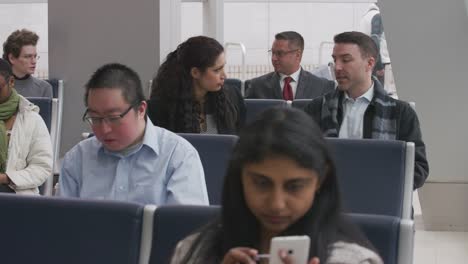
[289, 81]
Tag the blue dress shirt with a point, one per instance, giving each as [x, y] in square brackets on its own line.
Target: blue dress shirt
[164, 169]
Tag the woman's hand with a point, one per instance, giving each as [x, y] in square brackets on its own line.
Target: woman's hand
[240, 255]
[4, 179]
[286, 258]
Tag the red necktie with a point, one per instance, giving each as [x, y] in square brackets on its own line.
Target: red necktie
[287, 89]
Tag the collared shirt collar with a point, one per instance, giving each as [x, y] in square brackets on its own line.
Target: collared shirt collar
[367, 95]
[294, 75]
[150, 139]
[152, 136]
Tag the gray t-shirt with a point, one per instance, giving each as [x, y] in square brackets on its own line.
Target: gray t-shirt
[33, 87]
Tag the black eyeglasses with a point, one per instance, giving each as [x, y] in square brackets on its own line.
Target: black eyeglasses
[281, 53]
[110, 120]
[31, 57]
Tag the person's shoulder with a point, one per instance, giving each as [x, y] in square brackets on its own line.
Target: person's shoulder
[326, 96]
[403, 108]
[46, 87]
[257, 86]
[189, 240]
[183, 247]
[40, 82]
[84, 148]
[169, 140]
[29, 110]
[232, 93]
[314, 78]
[352, 253]
[407, 115]
[402, 104]
[314, 106]
[262, 78]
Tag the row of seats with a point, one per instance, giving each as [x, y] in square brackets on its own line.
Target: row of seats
[56, 230]
[375, 176]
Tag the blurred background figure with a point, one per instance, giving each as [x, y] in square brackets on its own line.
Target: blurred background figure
[372, 25]
[20, 51]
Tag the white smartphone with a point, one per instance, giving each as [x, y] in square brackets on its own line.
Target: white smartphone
[296, 246]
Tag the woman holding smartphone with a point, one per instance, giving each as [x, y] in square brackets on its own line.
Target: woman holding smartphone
[281, 181]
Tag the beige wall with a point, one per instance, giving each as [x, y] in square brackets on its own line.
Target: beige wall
[428, 42]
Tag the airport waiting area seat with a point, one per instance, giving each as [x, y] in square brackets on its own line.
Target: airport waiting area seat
[300, 103]
[255, 106]
[45, 111]
[173, 223]
[56, 231]
[235, 83]
[247, 84]
[375, 176]
[57, 110]
[215, 152]
[391, 236]
[55, 83]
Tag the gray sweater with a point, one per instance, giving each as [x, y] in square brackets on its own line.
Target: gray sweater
[33, 87]
[341, 253]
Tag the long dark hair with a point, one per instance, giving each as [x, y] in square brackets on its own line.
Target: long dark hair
[293, 134]
[172, 104]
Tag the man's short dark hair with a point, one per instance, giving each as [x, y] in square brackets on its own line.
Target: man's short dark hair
[365, 43]
[117, 76]
[294, 38]
[17, 40]
[5, 70]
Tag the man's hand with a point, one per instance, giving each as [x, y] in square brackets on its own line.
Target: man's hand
[4, 179]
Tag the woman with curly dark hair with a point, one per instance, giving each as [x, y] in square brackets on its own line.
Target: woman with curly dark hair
[188, 93]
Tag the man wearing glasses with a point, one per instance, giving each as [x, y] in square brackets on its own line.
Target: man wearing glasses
[20, 51]
[289, 81]
[129, 159]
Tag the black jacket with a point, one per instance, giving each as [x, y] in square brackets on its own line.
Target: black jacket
[408, 129]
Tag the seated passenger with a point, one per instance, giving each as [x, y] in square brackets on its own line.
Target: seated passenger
[188, 95]
[289, 81]
[129, 159]
[25, 145]
[281, 181]
[360, 107]
[20, 51]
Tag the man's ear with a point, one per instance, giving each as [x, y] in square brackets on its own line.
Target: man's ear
[142, 108]
[195, 72]
[299, 54]
[371, 63]
[11, 82]
[11, 58]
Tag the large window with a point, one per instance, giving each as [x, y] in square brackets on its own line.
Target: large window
[254, 24]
